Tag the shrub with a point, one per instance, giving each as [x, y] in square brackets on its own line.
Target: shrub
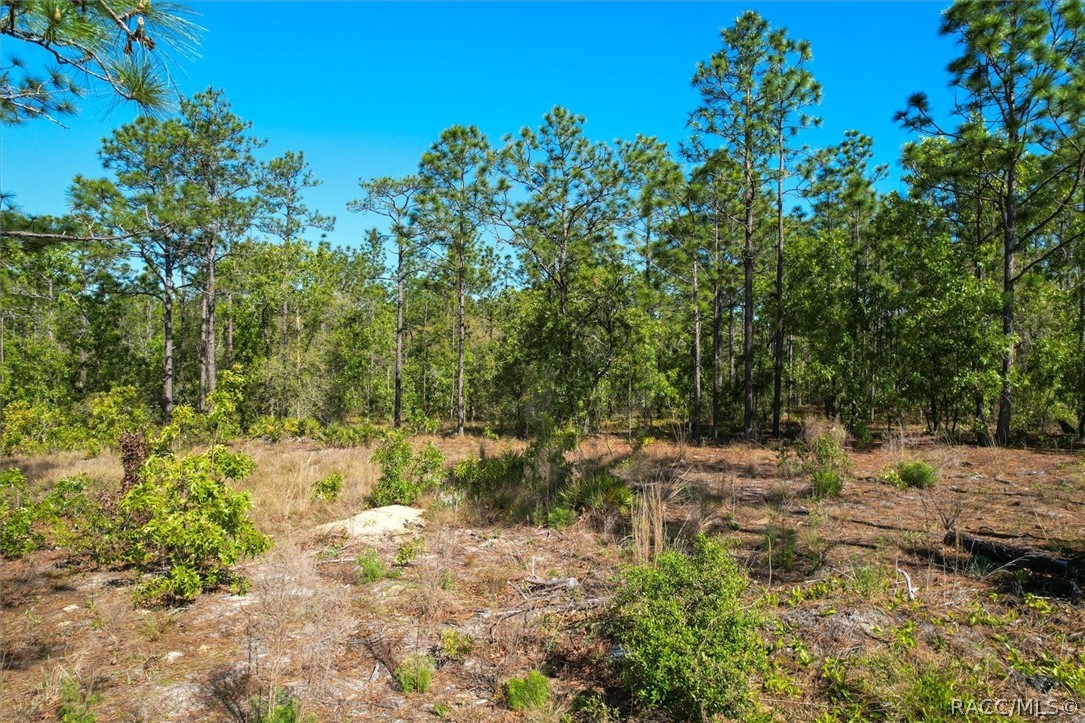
[415, 673]
[34, 429]
[279, 707]
[827, 463]
[109, 414]
[456, 645]
[408, 551]
[370, 568]
[917, 474]
[76, 703]
[348, 435]
[689, 643]
[528, 693]
[600, 494]
[328, 489]
[405, 476]
[18, 516]
[184, 525]
[561, 517]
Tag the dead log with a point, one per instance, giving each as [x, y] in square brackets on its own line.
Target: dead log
[1012, 557]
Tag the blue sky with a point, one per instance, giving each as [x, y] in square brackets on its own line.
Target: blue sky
[364, 88]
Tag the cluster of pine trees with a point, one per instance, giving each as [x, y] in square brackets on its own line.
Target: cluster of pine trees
[549, 278]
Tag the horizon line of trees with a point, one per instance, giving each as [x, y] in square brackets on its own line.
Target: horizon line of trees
[552, 279]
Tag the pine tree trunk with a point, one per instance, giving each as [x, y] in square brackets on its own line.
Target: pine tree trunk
[778, 333]
[167, 332]
[696, 426]
[398, 401]
[462, 294]
[1005, 398]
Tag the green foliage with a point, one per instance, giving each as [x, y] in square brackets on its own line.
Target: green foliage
[917, 474]
[351, 435]
[328, 488]
[33, 429]
[184, 525]
[415, 674]
[827, 463]
[528, 693]
[18, 516]
[408, 551]
[369, 568]
[76, 703]
[456, 645]
[601, 494]
[405, 476]
[559, 518]
[780, 544]
[689, 642]
[280, 707]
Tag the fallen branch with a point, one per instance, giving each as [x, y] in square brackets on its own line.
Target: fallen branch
[1012, 557]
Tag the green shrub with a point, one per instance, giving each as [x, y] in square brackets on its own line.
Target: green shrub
[890, 476]
[561, 517]
[603, 496]
[19, 515]
[415, 673]
[408, 551]
[76, 703]
[280, 707]
[689, 643]
[405, 476]
[370, 568]
[917, 474]
[780, 544]
[108, 414]
[528, 693]
[827, 463]
[456, 645]
[34, 429]
[186, 527]
[268, 428]
[349, 435]
[328, 489]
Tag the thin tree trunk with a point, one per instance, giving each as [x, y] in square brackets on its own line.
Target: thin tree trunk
[778, 333]
[462, 298]
[167, 332]
[1005, 399]
[696, 426]
[397, 404]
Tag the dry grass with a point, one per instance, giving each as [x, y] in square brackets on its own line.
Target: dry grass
[649, 514]
[282, 484]
[46, 469]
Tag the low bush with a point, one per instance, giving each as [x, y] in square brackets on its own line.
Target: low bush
[415, 674]
[601, 495]
[369, 568]
[917, 474]
[689, 642]
[561, 517]
[328, 489]
[528, 693]
[19, 515]
[827, 463]
[350, 435]
[405, 475]
[186, 527]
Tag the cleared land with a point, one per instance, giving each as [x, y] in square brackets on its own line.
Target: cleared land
[491, 601]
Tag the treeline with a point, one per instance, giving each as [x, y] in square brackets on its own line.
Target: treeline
[549, 279]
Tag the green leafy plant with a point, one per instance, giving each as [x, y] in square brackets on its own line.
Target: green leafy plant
[186, 527]
[280, 707]
[405, 476]
[369, 568]
[561, 517]
[689, 642]
[19, 515]
[528, 693]
[456, 645]
[415, 674]
[408, 551]
[917, 474]
[328, 489]
[76, 703]
[827, 463]
[600, 494]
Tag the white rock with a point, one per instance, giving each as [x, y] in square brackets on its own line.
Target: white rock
[390, 520]
[71, 608]
[173, 655]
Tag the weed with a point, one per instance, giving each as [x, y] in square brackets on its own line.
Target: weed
[917, 474]
[456, 645]
[415, 674]
[408, 551]
[328, 489]
[369, 568]
[528, 693]
[278, 707]
[780, 547]
[76, 703]
[561, 517]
